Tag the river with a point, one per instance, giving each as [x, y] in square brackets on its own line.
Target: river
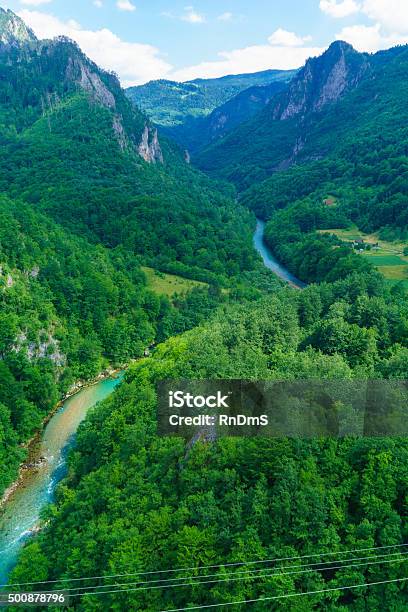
[270, 261]
[20, 515]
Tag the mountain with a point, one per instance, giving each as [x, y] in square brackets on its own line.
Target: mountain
[13, 30]
[197, 133]
[169, 103]
[239, 109]
[323, 80]
[327, 153]
[47, 72]
[90, 192]
[274, 139]
[74, 118]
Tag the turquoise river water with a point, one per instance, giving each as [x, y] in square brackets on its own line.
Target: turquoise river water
[19, 516]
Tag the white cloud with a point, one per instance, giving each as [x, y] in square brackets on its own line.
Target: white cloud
[391, 14]
[249, 59]
[125, 5]
[225, 17]
[370, 38]
[98, 3]
[191, 16]
[362, 37]
[283, 38]
[35, 2]
[388, 27]
[135, 63]
[339, 9]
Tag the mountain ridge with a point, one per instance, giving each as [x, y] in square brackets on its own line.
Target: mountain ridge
[290, 119]
[13, 30]
[170, 103]
[72, 71]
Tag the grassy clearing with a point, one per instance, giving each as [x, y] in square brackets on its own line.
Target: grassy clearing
[169, 284]
[394, 272]
[385, 260]
[353, 233]
[387, 257]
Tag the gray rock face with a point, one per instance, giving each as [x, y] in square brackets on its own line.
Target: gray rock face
[13, 30]
[90, 82]
[149, 147]
[48, 348]
[120, 133]
[323, 80]
[335, 85]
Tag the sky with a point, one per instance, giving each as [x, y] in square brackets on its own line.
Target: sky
[143, 40]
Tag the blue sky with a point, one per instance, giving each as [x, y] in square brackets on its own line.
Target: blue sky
[179, 39]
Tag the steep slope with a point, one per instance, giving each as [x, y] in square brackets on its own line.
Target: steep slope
[89, 192]
[169, 103]
[84, 154]
[199, 132]
[354, 160]
[133, 503]
[276, 138]
[349, 166]
[13, 30]
[139, 503]
[239, 109]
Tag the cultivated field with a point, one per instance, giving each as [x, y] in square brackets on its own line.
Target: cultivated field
[387, 257]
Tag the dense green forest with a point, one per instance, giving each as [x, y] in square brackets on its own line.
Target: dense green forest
[69, 309]
[354, 148]
[169, 103]
[335, 164]
[90, 193]
[136, 502]
[76, 161]
[81, 211]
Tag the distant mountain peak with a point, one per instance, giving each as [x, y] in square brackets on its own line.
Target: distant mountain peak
[340, 45]
[13, 30]
[69, 71]
[322, 80]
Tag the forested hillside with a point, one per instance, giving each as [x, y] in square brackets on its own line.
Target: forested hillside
[351, 114]
[75, 147]
[329, 152]
[89, 194]
[169, 103]
[136, 502]
[195, 134]
[199, 112]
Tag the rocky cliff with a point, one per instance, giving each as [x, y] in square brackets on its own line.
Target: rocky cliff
[149, 147]
[13, 30]
[321, 81]
[63, 70]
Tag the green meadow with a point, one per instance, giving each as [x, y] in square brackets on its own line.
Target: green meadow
[387, 257]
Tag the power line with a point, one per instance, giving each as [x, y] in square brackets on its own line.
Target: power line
[185, 569]
[231, 579]
[246, 601]
[249, 574]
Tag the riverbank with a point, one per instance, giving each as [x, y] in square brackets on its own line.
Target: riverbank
[33, 445]
[20, 516]
[269, 259]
